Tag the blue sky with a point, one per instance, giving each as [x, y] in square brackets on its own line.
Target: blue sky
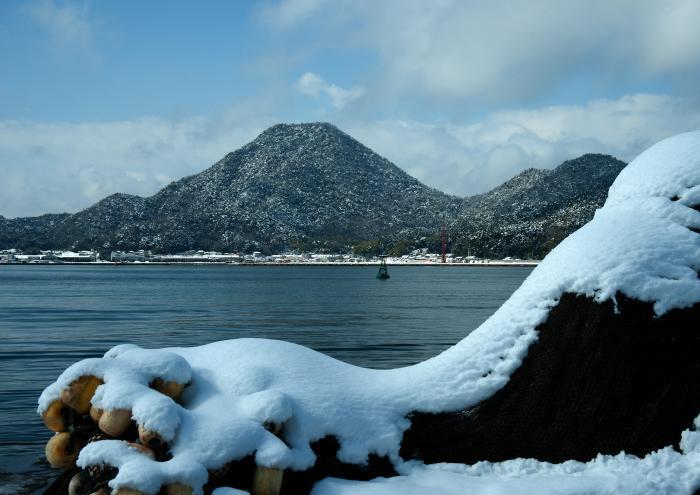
[98, 97]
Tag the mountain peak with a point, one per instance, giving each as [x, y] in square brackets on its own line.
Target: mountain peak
[591, 162]
[304, 129]
[307, 126]
[316, 148]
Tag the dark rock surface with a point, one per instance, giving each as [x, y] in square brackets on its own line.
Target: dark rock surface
[311, 186]
[596, 381]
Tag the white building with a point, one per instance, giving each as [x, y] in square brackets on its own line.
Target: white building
[79, 257]
[130, 256]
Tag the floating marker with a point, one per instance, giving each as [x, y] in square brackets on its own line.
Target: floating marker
[170, 388]
[267, 481]
[53, 416]
[126, 491]
[62, 450]
[79, 393]
[74, 484]
[115, 422]
[178, 489]
[150, 438]
[96, 413]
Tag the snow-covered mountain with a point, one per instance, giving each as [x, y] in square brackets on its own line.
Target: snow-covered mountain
[529, 214]
[312, 186]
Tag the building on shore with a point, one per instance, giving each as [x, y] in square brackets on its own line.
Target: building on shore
[8, 255]
[14, 256]
[416, 257]
[74, 257]
[129, 256]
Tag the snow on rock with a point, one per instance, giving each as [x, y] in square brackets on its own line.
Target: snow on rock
[670, 168]
[129, 370]
[663, 472]
[639, 244]
[138, 470]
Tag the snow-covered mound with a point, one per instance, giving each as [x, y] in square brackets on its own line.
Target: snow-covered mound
[643, 243]
[664, 472]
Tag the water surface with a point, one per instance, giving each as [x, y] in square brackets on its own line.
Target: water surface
[52, 316]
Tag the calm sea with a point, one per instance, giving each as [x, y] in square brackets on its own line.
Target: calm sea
[52, 316]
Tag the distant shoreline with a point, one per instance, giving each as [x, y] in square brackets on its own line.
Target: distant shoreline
[527, 263]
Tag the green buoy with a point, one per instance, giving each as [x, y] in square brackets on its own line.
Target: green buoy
[383, 272]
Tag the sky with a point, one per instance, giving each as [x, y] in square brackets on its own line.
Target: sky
[101, 97]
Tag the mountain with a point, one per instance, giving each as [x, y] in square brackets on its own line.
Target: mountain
[301, 184]
[529, 214]
[311, 186]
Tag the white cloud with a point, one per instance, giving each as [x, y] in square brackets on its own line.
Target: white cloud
[69, 25]
[313, 85]
[672, 39]
[506, 51]
[470, 159]
[66, 167]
